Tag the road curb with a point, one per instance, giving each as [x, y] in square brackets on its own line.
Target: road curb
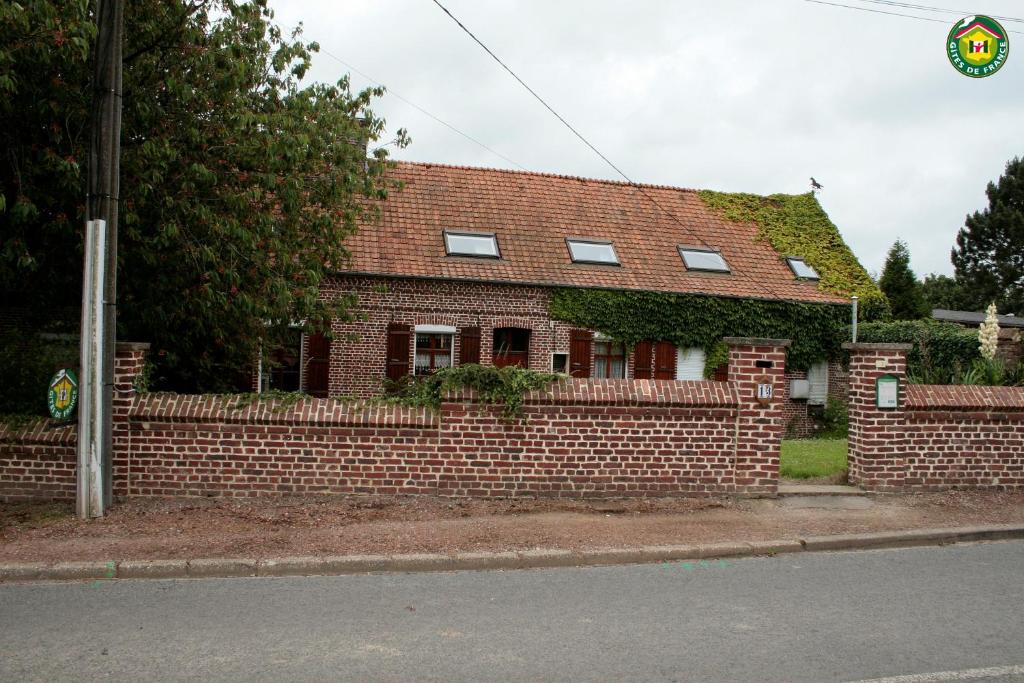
[524, 559]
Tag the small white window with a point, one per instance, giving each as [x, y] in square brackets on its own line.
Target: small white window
[703, 259]
[481, 244]
[592, 251]
[690, 363]
[817, 379]
[801, 269]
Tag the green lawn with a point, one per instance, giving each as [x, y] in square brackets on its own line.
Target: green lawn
[813, 458]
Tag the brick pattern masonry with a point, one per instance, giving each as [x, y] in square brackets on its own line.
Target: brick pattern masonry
[940, 437]
[583, 438]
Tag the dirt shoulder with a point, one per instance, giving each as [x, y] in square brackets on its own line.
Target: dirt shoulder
[261, 528]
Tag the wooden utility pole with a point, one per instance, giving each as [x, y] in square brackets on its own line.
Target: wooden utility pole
[99, 317]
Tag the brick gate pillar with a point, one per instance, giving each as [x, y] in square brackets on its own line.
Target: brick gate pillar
[755, 362]
[129, 360]
[877, 446]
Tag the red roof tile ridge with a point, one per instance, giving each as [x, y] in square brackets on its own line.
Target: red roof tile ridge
[546, 174]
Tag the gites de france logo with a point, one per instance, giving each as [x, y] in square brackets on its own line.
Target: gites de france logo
[977, 46]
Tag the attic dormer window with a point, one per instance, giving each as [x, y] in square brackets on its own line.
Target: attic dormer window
[801, 269]
[707, 260]
[592, 251]
[478, 244]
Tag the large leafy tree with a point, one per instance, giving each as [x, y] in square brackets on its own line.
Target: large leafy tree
[900, 285]
[943, 291]
[239, 183]
[989, 252]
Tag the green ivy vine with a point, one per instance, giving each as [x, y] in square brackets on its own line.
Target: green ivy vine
[796, 225]
[692, 320]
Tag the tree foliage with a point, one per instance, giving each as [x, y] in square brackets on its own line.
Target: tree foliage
[239, 184]
[900, 285]
[989, 252]
[943, 291]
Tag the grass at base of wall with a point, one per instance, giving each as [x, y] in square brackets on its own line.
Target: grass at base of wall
[813, 458]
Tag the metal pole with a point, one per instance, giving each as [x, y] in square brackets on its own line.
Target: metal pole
[855, 300]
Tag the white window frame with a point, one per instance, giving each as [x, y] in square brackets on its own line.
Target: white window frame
[683, 250]
[791, 260]
[569, 241]
[821, 368]
[681, 352]
[448, 330]
[476, 235]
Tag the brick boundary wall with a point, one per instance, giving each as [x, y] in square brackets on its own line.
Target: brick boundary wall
[940, 437]
[583, 438]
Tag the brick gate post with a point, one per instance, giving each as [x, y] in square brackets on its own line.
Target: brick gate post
[755, 363]
[877, 445]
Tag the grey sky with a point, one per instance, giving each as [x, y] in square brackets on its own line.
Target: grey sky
[736, 95]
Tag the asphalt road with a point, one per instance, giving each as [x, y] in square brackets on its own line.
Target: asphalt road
[804, 617]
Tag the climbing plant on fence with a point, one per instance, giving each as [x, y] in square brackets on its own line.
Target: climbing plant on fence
[691, 320]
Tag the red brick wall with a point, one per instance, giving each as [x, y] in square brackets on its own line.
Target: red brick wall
[37, 461]
[581, 438]
[940, 437]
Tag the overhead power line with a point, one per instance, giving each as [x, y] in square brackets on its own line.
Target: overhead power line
[941, 10]
[893, 14]
[555, 113]
[418, 108]
[608, 161]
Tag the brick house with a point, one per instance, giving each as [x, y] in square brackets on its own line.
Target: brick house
[461, 267]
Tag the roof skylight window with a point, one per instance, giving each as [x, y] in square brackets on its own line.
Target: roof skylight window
[801, 269]
[706, 260]
[592, 251]
[479, 244]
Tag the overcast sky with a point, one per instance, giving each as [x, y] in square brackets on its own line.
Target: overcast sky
[734, 95]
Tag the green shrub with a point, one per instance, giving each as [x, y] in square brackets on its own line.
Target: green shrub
[27, 363]
[940, 351]
[506, 386]
[835, 420]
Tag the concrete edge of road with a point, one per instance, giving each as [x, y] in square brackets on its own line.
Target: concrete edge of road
[523, 559]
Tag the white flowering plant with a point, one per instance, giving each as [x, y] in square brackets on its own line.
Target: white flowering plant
[988, 334]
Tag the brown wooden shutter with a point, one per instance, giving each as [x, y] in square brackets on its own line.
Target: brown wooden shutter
[642, 360]
[397, 361]
[580, 342]
[664, 361]
[318, 364]
[469, 345]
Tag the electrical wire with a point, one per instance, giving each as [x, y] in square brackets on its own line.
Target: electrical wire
[438, 119]
[941, 10]
[757, 283]
[893, 14]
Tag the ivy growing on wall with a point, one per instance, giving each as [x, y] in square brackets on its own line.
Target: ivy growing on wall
[796, 225]
[691, 320]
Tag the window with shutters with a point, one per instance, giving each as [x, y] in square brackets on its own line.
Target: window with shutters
[609, 360]
[511, 347]
[817, 381]
[642, 360]
[397, 357]
[690, 363]
[281, 368]
[469, 345]
[433, 352]
[580, 342]
[317, 365]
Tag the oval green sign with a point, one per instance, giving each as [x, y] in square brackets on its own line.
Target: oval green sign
[63, 394]
[977, 46]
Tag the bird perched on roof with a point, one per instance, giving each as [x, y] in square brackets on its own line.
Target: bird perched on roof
[815, 185]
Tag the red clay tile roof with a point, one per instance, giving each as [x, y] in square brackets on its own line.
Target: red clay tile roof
[533, 213]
